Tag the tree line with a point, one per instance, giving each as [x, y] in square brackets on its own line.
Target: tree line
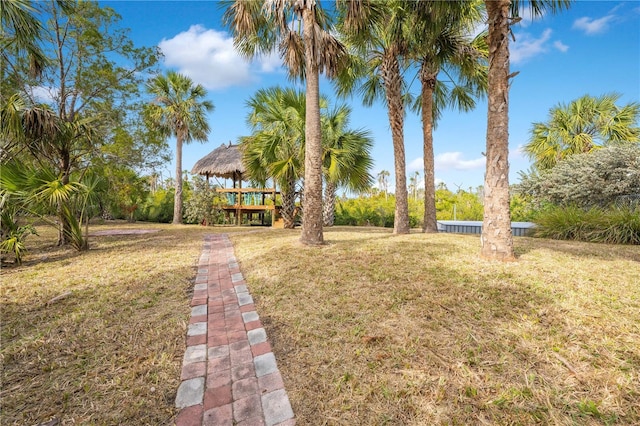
[77, 129]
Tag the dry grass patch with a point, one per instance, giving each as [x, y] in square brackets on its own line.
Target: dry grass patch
[98, 337]
[416, 329]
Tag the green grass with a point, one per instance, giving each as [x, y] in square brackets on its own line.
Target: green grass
[369, 329]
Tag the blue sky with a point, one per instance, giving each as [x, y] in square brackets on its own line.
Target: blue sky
[592, 48]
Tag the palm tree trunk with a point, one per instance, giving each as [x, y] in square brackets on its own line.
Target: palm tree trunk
[312, 214]
[177, 199]
[393, 86]
[329, 212]
[65, 227]
[288, 194]
[428, 85]
[497, 239]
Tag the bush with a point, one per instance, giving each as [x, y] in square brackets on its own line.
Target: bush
[158, 207]
[600, 178]
[614, 225]
[202, 204]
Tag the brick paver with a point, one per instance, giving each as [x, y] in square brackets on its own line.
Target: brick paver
[229, 373]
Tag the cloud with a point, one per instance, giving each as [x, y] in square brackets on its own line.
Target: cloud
[416, 164]
[448, 161]
[526, 46]
[453, 160]
[209, 58]
[518, 153]
[45, 94]
[560, 46]
[593, 26]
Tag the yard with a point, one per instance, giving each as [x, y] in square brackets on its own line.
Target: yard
[369, 329]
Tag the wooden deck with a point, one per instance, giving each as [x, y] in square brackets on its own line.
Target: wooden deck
[249, 202]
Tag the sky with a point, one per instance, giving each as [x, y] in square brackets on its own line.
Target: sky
[592, 48]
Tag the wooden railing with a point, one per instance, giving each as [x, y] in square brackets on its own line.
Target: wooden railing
[249, 201]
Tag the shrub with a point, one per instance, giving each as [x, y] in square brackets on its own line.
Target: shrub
[614, 225]
[158, 207]
[202, 205]
[599, 178]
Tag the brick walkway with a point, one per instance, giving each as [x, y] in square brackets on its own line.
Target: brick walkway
[229, 374]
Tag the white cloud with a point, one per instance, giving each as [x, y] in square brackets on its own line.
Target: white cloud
[45, 94]
[453, 160]
[560, 46]
[527, 46]
[593, 26]
[416, 165]
[209, 58]
[447, 161]
[517, 154]
[270, 62]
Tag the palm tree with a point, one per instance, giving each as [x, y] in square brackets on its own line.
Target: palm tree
[383, 182]
[497, 239]
[376, 72]
[19, 35]
[414, 180]
[346, 158]
[179, 110]
[275, 150]
[452, 72]
[586, 124]
[301, 30]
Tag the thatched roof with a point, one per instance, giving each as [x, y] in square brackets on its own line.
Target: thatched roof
[224, 161]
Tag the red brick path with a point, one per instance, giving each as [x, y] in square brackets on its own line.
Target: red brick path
[229, 374]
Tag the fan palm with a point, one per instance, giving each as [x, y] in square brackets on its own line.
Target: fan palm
[585, 124]
[19, 35]
[179, 109]
[452, 72]
[375, 71]
[300, 29]
[346, 158]
[383, 182]
[275, 150]
[497, 239]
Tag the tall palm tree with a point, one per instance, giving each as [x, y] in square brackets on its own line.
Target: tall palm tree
[497, 239]
[383, 177]
[275, 150]
[179, 109]
[302, 32]
[346, 158]
[452, 73]
[376, 72]
[585, 124]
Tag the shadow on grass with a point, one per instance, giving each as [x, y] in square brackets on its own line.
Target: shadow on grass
[597, 251]
[417, 330]
[120, 337]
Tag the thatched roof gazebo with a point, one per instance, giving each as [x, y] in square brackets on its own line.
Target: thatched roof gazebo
[224, 162]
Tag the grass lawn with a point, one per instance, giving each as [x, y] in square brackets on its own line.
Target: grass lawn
[370, 329]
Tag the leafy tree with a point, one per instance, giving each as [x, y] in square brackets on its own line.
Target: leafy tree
[346, 158]
[598, 179]
[302, 32]
[202, 206]
[585, 124]
[497, 239]
[85, 94]
[179, 109]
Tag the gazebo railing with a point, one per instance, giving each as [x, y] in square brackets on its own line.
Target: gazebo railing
[249, 201]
